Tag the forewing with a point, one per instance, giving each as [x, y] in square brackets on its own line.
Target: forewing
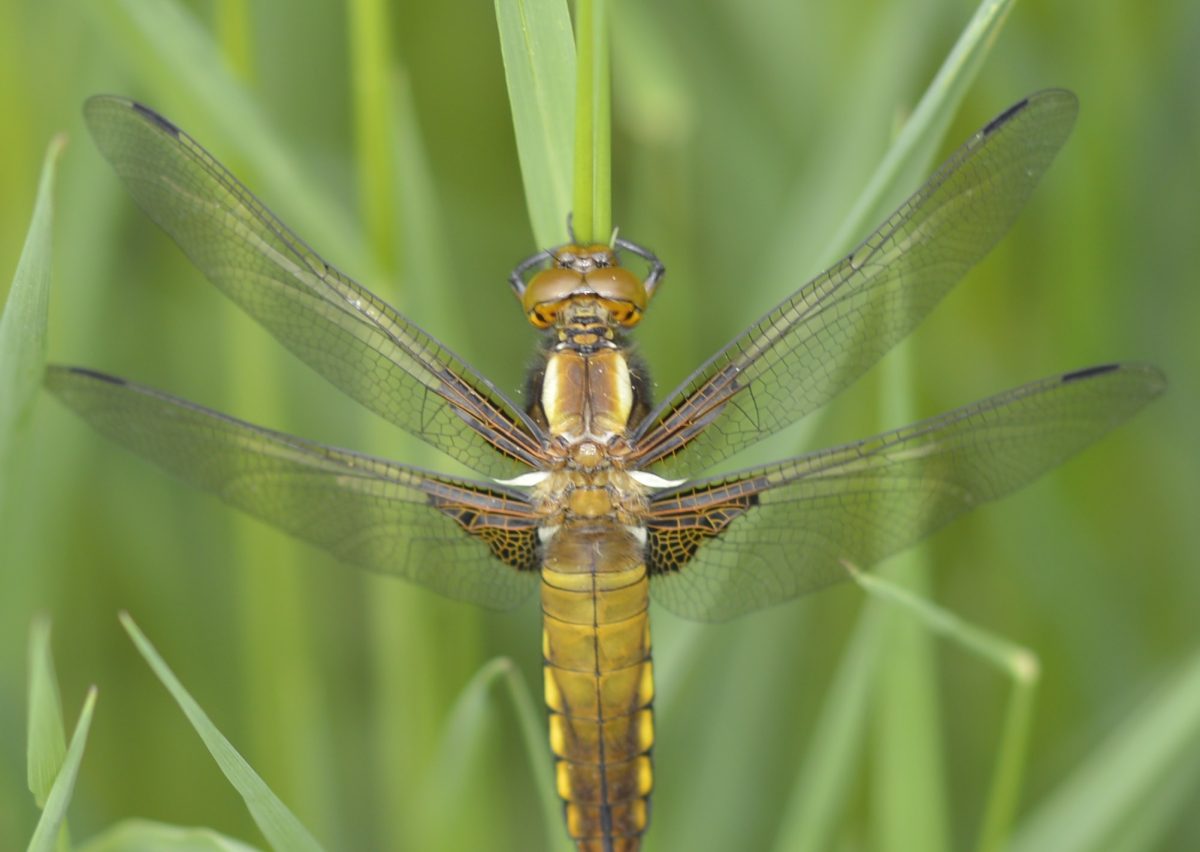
[339, 328]
[818, 341]
[723, 547]
[468, 541]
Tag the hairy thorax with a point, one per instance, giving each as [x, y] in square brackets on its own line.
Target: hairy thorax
[587, 396]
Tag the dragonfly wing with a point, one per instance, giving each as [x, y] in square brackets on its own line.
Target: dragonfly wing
[723, 547]
[826, 335]
[346, 333]
[450, 536]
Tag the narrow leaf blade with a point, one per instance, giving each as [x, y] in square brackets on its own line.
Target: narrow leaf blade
[1112, 787]
[539, 67]
[139, 835]
[45, 836]
[281, 828]
[23, 327]
[47, 746]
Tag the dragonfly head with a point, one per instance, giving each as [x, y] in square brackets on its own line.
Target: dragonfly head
[583, 277]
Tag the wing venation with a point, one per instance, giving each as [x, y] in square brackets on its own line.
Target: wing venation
[726, 546]
[339, 328]
[822, 338]
[448, 535]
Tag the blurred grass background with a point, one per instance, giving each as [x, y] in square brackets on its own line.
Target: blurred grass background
[743, 133]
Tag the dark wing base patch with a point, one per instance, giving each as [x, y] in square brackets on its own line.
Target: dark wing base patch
[673, 539]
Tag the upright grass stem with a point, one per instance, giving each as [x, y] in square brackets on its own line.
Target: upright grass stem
[592, 210]
[274, 602]
[404, 719]
[585, 133]
[1019, 664]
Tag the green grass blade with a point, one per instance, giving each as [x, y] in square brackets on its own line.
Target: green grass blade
[374, 98]
[235, 36]
[458, 757]
[1121, 776]
[584, 183]
[1148, 827]
[281, 828]
[539, 67]
[396, 618]
[1012, 752]
[909, 797]
[904, 751]
[139, 835]
[47, 746]
[537, 748]
[602, 220]
[996, 650]
[23, 331]
[46, 835]
[592, 202]
[911, 813]
[1018, 663]
[823, 786]
[909, 157]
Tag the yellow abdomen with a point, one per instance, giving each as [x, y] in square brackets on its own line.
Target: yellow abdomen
[599, 683]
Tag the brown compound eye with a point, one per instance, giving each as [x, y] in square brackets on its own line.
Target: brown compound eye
[545, 314]
[546, 293]
[623, 313]
[621, 292]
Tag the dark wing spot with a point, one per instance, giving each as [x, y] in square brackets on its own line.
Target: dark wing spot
[93, 374]
[672, 542]
[514, 544]
[153, 116]
[1088, 372]
[1002, 119]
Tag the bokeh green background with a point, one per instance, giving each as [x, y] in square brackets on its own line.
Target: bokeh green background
[743, 133]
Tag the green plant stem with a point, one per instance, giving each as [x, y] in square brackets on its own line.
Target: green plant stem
[46, 745]
[585, 130]
[1018, 663]
[1005, 792]
[234, 34]
[602, 220]
[278, 824]
[910, 812]
[374, 97]
[459, 755]
[539, 69]
[50, 834]
[916, 144]
[284, 700]
[822, 788]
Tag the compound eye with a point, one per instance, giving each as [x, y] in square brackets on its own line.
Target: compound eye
[622, 313]
[547, 290]
[618, 284]
[545, 314]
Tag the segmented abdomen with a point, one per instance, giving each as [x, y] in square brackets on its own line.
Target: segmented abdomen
[599, 684]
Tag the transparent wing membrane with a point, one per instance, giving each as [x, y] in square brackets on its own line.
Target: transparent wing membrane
[818, 341]
[723, 547]
[716, 548]
[392, 519]
[339, 328]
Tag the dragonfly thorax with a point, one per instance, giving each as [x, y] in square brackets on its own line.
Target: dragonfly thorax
[586, 397]
[572, 497]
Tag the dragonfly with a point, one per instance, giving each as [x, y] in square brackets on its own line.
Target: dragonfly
[592, 493]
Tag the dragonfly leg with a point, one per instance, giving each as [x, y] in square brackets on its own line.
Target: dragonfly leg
[657, 269]
[516, 278]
